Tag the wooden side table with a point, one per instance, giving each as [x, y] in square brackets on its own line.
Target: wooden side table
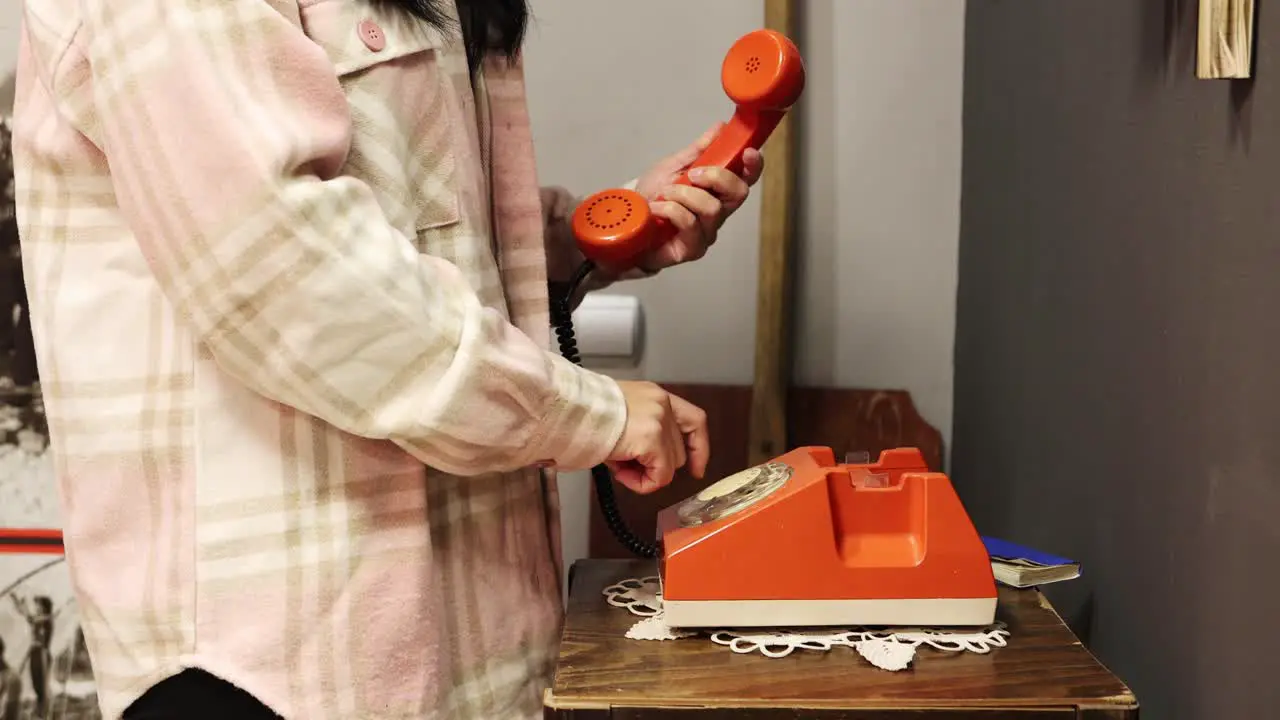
[1044, 672]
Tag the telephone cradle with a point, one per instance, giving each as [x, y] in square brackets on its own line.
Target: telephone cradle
[805, 541]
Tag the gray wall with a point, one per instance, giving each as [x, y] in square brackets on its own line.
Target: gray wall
[1117, 353]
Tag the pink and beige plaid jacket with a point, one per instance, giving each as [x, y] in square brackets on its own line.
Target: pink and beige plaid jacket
[287, 267]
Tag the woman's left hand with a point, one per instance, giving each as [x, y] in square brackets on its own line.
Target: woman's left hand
[697, 211]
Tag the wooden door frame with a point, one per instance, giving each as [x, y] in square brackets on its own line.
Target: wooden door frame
[767, 435]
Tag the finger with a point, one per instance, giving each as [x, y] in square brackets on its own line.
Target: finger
[628, 474]
[691, 152]
[659, 474]
[676, 214]
[727, 187]
[632, 475]
[709, 209]
[674, 446]
[692, 421]
[645, 474]
[702, 143]
[752, 166]
[686, 245]
[675, 437]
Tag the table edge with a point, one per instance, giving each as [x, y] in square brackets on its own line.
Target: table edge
[1125, 701]
[551, 702]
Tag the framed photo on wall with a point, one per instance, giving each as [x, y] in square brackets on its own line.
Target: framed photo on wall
[45, 671]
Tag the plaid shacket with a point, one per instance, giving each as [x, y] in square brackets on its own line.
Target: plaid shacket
[289, 293]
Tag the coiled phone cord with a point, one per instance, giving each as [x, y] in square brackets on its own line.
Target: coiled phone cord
[562, 320]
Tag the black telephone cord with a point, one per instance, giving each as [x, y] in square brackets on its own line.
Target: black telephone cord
[562, 320]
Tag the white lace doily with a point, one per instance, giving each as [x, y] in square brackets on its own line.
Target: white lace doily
[888, 649]
[641, 596]
[655, 628]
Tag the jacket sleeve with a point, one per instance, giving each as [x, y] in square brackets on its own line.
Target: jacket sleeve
[226, 131]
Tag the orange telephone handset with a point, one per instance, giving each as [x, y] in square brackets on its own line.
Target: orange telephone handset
[764, 75]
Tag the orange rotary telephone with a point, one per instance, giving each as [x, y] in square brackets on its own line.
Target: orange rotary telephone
[803, 540]
[800, 540]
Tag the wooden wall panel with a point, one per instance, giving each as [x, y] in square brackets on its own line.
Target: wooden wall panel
[846, 420]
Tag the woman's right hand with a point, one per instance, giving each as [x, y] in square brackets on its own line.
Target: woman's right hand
[662, 433]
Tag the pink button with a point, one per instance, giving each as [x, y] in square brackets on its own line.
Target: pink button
[372, 35]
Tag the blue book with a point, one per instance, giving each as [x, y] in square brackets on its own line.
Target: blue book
[1019, 566]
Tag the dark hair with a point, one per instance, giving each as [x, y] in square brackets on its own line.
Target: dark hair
[45, 603]
[487, 25]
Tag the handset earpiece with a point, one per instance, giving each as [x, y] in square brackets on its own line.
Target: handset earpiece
[763, 74]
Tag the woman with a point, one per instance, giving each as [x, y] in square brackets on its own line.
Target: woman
[288, 266]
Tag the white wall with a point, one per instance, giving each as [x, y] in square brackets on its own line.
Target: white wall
[881, 197]
[614, 85]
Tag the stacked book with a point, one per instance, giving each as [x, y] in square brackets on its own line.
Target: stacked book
[1018, 566]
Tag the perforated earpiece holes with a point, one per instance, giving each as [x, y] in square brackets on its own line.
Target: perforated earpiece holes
[609, 211]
